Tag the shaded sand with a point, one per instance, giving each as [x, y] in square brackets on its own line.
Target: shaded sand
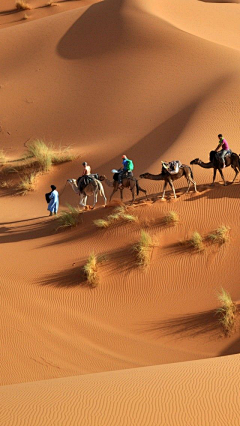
[155, 82]
[195, 393]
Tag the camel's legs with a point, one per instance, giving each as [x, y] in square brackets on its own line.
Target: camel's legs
[95, 194]
[121, 194]
[164, 190]
[133, 194]
[190, 180]
[236, 173]
[143, 190]
[221, 173]
[172, 186]
[214, 175]
[105, 200]
[81, 202]
[114, 190]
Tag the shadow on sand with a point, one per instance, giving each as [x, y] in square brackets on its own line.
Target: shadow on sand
[72, 277]
[190, 325]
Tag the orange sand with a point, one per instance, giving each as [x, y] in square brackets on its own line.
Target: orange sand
[157, 82]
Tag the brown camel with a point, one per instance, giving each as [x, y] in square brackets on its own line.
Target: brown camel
[127, 182]
[169, 178]
[215, 163]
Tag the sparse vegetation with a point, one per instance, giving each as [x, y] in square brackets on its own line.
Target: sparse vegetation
[46, 155]
[101, 223]
[227, 313]
[25, 16]
[196, 241]
[143, 249]
[22, 5]
[3, 157]
[120, 213]
[90, 270]
[171, 218]
[69, 218]
[27, 184]
[220, 235]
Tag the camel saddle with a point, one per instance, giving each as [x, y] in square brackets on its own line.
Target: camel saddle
[84, 181]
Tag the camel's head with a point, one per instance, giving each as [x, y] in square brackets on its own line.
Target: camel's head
[145, 176]
[196, 161]
[102, 178]
[72, 181]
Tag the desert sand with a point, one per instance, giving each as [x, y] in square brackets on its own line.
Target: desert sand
[154, 80]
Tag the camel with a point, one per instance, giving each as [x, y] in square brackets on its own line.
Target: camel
[91, 189]
[128, 182]
[215, 163]
[169, 178]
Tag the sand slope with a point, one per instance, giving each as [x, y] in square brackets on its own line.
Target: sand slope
[194, 393]
[157, 83]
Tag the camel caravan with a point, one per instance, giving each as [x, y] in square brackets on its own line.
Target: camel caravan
[91, 184]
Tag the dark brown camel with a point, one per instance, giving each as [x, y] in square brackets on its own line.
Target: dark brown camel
[128, 182]
[169, 178]
[215, 163]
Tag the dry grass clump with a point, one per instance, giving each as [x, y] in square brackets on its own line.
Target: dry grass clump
[227, 313]
[3, 157]
[91, 270]
[22, 5]
[119, 214]
[69, 218]
[220, 235]
[143, 249]
[27, 184]
[25, 16]
[171, 218]
[101, 223]
[46, 155]
[196, 241]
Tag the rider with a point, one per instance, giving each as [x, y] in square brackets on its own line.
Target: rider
[87, 169]
[126, 170]
[223, 145]
[172, 167]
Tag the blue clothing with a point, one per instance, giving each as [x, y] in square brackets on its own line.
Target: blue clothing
[125, 165]
[54, 202]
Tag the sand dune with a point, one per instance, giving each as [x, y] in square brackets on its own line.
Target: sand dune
[157, 82]
[143, 396]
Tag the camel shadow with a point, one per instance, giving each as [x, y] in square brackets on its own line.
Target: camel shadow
[215, 192]
[190, 326]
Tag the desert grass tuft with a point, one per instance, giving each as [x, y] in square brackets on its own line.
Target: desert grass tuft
[196, 241]
[69, 218]
[25, 16]
[43, 154]
[119, 214]
[22, 5]
[220, 235]
[47, 155]
[143, 249]
[101, 223]
[27, 184]
[171, 218]
[227, 313]
[91, 270]
[3, 157]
